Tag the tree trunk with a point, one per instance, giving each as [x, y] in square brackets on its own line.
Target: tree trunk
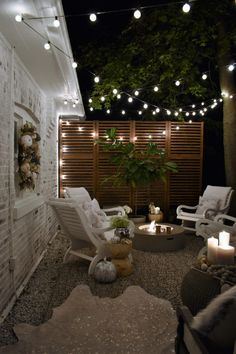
[228, 87]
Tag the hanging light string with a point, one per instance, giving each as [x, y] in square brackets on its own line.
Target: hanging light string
[136, 11]
[131, 97]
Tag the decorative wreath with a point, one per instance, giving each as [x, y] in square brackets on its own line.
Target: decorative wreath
[28, 157]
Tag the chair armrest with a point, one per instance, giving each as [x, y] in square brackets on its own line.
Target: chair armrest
[185, 319]
[182, 206]
[222, 217]
[118, 209]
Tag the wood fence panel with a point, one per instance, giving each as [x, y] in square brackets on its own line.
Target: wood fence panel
[82, 163]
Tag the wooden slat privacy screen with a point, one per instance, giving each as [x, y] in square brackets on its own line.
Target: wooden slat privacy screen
[82, 164]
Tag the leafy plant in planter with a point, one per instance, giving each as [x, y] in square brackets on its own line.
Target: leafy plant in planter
[135, 167]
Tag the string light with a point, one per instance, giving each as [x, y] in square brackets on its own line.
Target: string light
[157, 109]
[145, 106]
[74, 65]
[136, 93]
[65, 102]
[123, 112]
[118, 96]
[18, 18]
[140, 112]
[231, 67]
[186, 7]
[177, 82]
[102, 98]
[137, 14]
[130, 99]
[73, 105]
[47, 45]
[93, 17]
[90, 100]
[115, 91]
[204, 76]
[156, 88]
[108, 111]
[56, 22]
[96, 79]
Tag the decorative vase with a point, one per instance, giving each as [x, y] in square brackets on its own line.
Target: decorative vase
[156, 217]
[122, 232]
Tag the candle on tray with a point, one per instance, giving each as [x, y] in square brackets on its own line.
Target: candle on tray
[224, 238]
[212, 245]
[225, 255]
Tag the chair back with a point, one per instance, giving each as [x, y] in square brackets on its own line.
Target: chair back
[73, 220]
[224, 194]
[80, 194]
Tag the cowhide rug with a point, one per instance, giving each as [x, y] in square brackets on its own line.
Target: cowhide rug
[134, 322]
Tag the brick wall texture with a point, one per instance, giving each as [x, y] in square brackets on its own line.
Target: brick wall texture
[22, 241]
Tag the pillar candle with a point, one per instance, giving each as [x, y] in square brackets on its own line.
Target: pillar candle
[225, 255]
[212, 245]
[224, 238]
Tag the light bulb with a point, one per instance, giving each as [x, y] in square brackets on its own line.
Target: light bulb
[193, 106]
[74, 65]
[136, 93]
[67, 123]
[76, 101]
[102, 98]
[93, 17]
[157, 110]
[137, 14]
[220, 100]
[56, 22]
[186, 8]
[154, 113]
[204, 76]
[91, 109]
[205, 109]
[231, 67]
[156, 88]
[231, 96]
[140, 112]
[180, 109]
[18, 18]
[96, 79]
[118, 96]
[73, 105]
[177, 127]
[90, 100]
[130, 99]
[202, 103]
[176, 114]
[121, 138]
[47, 45]
[177, 82]
[115, 91]
[80, 129]
[65, 101]
[108, 111]
[168, 112]
[190, 121]
[145, 106]
[193, 113]
[164, 132]
[123, 112]
[187, 114]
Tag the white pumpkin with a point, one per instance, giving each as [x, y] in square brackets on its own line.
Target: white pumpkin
[26, 141]
[105, 272]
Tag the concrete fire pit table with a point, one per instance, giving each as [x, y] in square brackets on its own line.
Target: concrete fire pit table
[166, 237]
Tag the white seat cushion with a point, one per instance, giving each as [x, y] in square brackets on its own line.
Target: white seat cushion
[208, 203]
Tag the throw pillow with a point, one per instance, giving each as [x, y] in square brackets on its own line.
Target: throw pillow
[205, 203]
[216, 321]
[95, 215]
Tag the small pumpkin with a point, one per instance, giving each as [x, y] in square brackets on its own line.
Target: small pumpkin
[105, 272]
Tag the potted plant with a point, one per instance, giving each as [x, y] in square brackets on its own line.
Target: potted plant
[135, 167]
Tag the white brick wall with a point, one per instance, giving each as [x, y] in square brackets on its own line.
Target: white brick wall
[24, 239]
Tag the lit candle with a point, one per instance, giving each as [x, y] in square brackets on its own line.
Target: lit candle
[212, 245]
[224, 238]
[157, 210]
[225, 255]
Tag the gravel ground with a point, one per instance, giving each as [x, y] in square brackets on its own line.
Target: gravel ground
[160, 274]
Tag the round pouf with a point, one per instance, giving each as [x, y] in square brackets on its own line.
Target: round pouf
[105, 272]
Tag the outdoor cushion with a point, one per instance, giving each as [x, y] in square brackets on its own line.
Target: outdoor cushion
[216, 321]
[221, 193]
[206, 203]
[95, 215]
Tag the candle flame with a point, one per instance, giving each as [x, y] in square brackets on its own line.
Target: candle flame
[152, 226]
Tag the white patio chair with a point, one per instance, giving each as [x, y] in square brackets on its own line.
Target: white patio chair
[215, 200]
[75, 225]
[81, 195]
[208, 228]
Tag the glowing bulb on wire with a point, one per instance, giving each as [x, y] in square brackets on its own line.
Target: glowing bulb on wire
[204, 76]
[18, 18]
[56, 22]
[137, 14]
[96, 79]
[130, 99]
[145, 106]
[156, 88]
[115, 91]
[136, 92]
[186, 8]
[47, 45]
[74, 65]
[93, 17]
[177, 83]
[231, 67]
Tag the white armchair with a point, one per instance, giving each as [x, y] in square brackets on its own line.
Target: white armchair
[215, 200]
[208, 228]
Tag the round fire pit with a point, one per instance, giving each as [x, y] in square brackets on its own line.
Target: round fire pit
[163, 238]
